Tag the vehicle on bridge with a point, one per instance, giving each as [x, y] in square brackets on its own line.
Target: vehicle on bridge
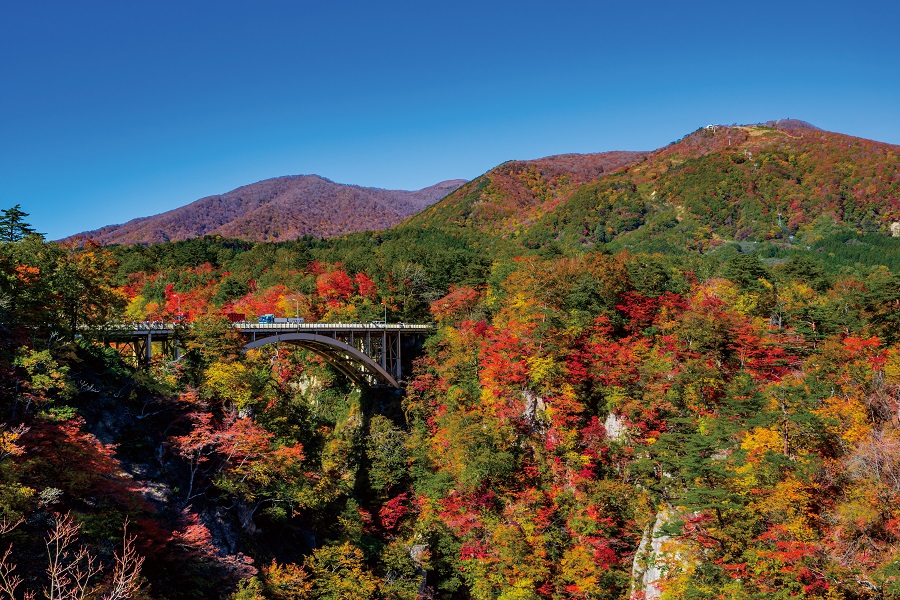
[272, 319]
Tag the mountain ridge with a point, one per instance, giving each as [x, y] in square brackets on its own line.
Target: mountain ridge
[277, 209]
[783, 181]
[523, 189]
[715, 185]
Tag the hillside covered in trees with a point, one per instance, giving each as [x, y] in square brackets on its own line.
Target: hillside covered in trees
[660, 375]
[278, 209]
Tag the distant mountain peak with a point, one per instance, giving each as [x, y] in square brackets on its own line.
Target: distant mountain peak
[793, 124]
[277, 209]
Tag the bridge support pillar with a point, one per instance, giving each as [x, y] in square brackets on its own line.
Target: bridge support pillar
[398, 363]
[138, 346]
[170, 347]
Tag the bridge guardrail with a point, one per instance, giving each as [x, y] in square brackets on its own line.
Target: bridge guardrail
[249, 325]
[134, 326]
[295, 326]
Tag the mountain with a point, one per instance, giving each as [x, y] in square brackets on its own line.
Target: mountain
[517, 193]
[279, 209]
[785, 183]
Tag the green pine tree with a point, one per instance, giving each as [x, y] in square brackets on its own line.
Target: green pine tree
[13, 226]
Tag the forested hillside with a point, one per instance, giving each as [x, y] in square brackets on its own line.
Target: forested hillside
[278, 209]
[785, 186]
[663, 375]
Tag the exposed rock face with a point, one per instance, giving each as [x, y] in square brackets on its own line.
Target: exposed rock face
[533, 410]
[616, 429]
[895, 229]
[418, 554]
[655, 552]
[645, 571]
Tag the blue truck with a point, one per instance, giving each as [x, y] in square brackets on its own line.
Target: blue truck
[272, 320]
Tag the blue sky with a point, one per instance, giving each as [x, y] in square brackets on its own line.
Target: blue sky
[111, 110]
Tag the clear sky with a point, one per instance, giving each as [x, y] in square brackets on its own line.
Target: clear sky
[113, 109]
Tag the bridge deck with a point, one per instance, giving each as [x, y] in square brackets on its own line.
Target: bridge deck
[158, 328]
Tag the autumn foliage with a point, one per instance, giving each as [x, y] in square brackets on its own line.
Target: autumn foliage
[664, 375]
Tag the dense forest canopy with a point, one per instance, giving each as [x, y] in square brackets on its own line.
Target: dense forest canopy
[675, 378]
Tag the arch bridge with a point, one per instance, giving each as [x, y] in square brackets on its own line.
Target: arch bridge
[370, 354]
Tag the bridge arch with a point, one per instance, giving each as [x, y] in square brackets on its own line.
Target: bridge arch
[344, 357]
